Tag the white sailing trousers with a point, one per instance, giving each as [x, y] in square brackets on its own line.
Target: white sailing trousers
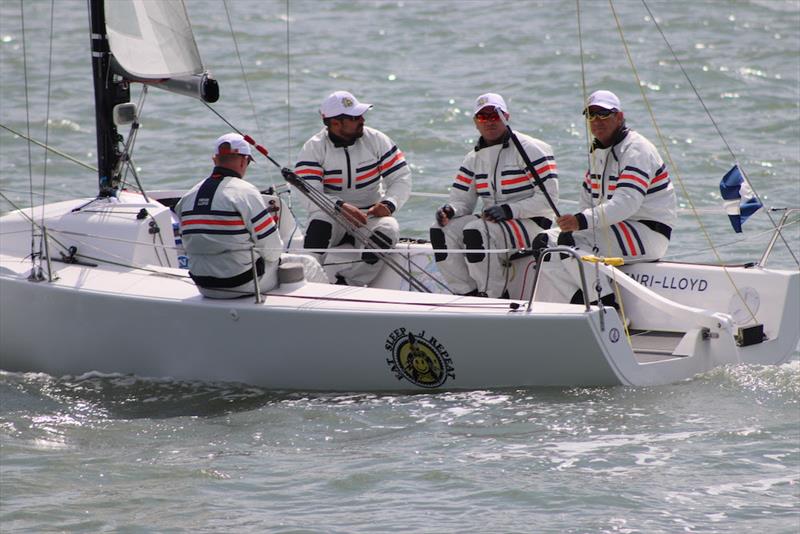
[324, 232]
[560, 279]
[476, 269]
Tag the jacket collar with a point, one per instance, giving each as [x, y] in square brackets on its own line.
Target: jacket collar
[222, 172]
[340, 142]
[482, 142]
[621, 134]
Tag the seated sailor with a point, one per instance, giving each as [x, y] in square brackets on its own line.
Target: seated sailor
[627, 207]
[225, 224]
[514, 208]
[364, 173]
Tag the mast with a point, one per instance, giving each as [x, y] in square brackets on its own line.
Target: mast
[109, 90]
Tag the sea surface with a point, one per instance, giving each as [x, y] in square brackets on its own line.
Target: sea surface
[718, 453]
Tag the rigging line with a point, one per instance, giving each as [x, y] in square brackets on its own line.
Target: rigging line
[51, 149]
[714, 122]
[329, 207]
[241, 66]
[28, 126]
[47, 112]
[590, 155]
[745, 239]
[288, 90]
[30, 218]
[672, 162]
[237, 130]
[324, 202]
[586, 128]
[127, 152]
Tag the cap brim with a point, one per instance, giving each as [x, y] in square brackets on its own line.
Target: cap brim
[359, 110]
[494, 107]
[603, 105]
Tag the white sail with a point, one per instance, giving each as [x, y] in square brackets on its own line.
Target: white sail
[152, 38]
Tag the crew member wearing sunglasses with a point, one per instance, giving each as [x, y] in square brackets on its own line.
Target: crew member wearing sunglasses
[627, 208]
[364, 173]
[514, 209]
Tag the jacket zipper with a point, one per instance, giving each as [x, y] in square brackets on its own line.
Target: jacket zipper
[494, 175]
[349, 172]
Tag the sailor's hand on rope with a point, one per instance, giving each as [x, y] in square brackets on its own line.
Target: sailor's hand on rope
[497, 213]
[568, 223]
[444, 214]
[352, 213]
[379, 210]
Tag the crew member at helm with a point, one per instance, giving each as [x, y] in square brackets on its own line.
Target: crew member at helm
[364, 173]
[514, 208]
[627, 208]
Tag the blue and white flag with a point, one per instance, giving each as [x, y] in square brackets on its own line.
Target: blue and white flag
[740, 201]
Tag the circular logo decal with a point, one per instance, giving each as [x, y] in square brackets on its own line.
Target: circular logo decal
[346, 102]
[421, 360]
[613, 335]
[744, 305]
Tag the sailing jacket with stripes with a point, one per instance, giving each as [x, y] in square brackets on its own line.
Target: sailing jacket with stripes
[628, 181]
[370, 170]
[222, 217]
[498, 175]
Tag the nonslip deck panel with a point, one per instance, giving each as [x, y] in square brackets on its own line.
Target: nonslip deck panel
[651, 346]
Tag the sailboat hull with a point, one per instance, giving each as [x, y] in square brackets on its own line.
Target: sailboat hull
[107, 315]
[294, 342]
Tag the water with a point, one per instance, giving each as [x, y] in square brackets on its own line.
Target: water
[719, 453]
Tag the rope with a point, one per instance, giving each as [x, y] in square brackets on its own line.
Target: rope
[241, 66]
[126, 157]
[28, 126]
[49, 148]
[47, 112]
[288, 90]
[590, 156]
[714, 122]
[672, 162]
[587, 128]
[749, 237]
[329, 207]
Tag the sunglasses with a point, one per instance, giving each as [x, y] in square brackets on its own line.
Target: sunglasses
[350, 118]
[599, 115]
[487, 117]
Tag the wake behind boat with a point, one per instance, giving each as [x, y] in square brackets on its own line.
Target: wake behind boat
[98, 259]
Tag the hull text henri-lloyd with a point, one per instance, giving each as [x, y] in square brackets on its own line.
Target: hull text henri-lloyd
[680, 283]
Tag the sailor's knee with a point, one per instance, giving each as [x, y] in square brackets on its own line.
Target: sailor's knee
[438, 242]
[380, 240]
[318, 234]
[473, 241]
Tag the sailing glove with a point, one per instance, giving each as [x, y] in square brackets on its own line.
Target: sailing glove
[444, 214]
[498, 212]
[289, 176]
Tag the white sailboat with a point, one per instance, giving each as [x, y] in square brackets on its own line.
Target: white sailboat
[94, 260]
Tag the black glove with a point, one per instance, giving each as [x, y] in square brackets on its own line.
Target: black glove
[290, 176]
[444, 213]
[498, 212]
